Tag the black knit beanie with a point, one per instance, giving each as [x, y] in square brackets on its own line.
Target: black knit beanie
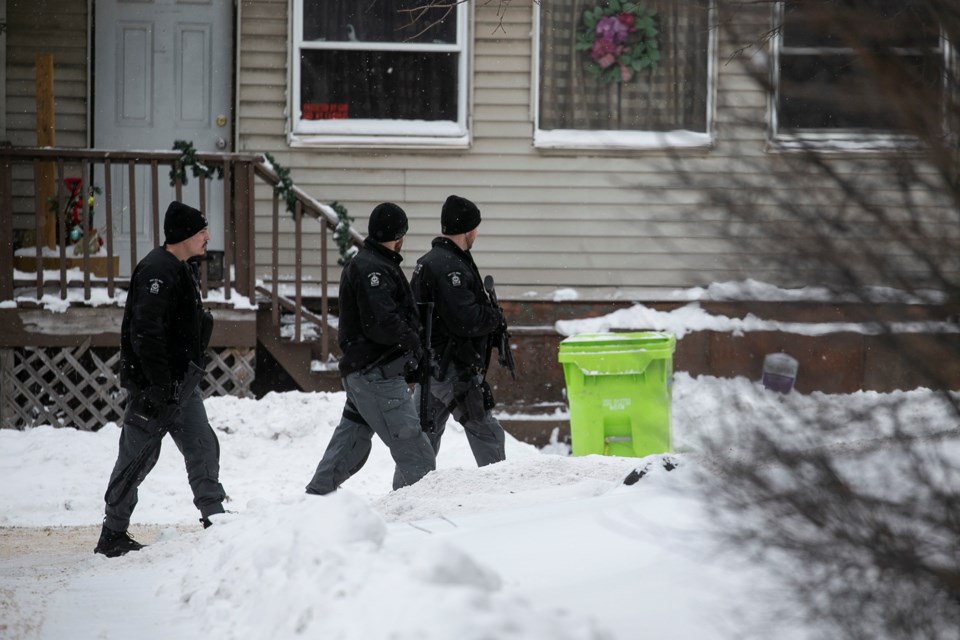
[181, 222]
[458, 215]
[387, 222]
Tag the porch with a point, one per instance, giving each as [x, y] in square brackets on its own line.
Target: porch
[60, 320]
[61, 297]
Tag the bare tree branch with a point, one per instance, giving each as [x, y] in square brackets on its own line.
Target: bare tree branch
[862, 509]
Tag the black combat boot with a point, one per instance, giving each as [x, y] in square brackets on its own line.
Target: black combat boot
[207, 522]
[115, 543]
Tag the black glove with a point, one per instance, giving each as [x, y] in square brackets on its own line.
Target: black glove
[206, 328]
[469, 397]
[502, 325]
[488, 401]
[414, 365]
[420, 356]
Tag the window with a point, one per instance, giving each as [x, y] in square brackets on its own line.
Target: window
[375, 73]
[847, 72]
[666, 104]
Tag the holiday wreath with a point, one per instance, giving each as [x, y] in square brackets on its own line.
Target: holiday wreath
[620, 38]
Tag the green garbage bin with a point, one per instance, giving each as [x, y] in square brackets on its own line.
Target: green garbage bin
[618, 387]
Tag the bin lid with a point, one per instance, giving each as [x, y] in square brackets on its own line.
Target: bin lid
[616, 353]
[629, 341]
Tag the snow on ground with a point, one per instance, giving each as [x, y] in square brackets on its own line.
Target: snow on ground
[541, 546]
[538, 547]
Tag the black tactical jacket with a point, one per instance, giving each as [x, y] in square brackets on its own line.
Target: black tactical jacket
[162, 322]
[377, 310]
[464, 317]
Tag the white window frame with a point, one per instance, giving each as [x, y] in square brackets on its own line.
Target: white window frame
[614, 140]
[835, 140]
[372, 132]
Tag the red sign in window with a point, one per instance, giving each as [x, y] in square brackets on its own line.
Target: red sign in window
[326, 111]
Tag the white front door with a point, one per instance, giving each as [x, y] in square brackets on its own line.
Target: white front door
[163, 73]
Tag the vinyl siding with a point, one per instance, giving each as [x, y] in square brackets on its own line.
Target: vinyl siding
[58, 27]
[552, 218]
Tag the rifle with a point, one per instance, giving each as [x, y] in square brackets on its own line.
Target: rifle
[428, 370]
[158, 427]
[501, 338]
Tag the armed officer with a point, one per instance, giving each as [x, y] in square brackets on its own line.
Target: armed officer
[379, 337]
[464, 323]
[164, 330]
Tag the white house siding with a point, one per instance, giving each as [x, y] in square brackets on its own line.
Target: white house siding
[552, 218]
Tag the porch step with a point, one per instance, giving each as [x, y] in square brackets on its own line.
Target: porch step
[296, 358]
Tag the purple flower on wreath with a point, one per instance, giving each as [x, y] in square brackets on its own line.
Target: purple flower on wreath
[613, 30]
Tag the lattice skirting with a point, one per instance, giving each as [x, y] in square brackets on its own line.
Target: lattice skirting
[79, 387]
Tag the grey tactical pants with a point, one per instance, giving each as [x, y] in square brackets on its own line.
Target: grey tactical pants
[485, 436]
[375, 405]
[198, 443]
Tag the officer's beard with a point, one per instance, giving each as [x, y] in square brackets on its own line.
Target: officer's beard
[398, 246]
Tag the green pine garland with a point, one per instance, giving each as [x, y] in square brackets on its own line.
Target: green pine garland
[285, 188]
[342, 232]
[188, 158]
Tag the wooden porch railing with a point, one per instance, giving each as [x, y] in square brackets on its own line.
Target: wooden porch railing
[20, 171]
[305, 206]
[17, 188]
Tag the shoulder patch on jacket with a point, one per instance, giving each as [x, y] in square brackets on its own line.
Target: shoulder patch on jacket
[456, 278]
[155, 284]
[374, 279]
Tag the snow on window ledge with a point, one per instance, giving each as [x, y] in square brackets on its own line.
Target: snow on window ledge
[837, 142]
[393, 142]
[379, 133]
[573, 139]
